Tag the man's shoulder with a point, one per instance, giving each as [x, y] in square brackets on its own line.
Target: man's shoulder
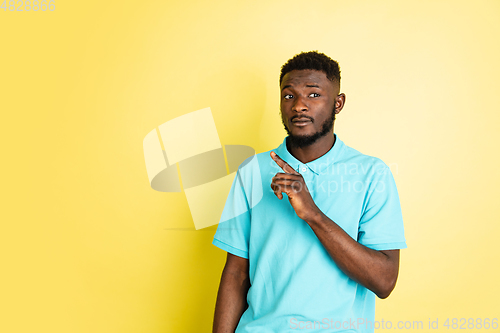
[354, 156]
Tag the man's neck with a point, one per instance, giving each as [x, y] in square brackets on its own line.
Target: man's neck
[314, 151]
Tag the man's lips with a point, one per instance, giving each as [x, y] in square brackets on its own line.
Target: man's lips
[301, 121]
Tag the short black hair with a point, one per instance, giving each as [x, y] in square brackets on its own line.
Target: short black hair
[312, 60]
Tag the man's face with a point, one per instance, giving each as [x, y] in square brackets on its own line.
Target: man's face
[309, 102]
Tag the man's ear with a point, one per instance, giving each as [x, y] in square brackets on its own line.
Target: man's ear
[339, 102]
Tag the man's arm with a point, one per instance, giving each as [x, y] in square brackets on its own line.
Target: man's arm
[375, 270]
[232, 295]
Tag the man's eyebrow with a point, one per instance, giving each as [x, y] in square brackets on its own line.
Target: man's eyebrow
[307, 85]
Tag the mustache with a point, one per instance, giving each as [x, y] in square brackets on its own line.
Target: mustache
[302, 117]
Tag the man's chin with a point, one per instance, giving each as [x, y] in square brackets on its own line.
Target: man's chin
[301, 141]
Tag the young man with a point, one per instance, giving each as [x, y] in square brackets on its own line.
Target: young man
[313, 228]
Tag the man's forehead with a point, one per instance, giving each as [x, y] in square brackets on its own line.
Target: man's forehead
[305, 77]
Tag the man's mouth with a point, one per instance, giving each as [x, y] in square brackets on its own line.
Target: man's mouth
[301, 121]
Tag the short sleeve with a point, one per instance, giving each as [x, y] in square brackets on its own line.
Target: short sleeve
[233, 231]
[381, 223]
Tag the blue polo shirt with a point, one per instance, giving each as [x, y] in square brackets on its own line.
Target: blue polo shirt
[295, 284]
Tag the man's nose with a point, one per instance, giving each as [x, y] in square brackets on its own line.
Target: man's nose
[300, 105]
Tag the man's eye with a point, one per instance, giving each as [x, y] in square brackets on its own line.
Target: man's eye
[314, 95]
[288, 96]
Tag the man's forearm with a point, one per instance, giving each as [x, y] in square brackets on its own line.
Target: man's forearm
[231, 300]
[375, 270]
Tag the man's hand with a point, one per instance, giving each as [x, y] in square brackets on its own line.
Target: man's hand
[292, 183]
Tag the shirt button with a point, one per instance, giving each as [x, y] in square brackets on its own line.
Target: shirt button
[304, 169]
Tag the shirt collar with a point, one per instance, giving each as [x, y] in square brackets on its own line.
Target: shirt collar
[318, 165]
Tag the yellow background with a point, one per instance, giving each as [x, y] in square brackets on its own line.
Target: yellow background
[86, 244]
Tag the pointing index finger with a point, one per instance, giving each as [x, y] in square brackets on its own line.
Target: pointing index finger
[282, 164]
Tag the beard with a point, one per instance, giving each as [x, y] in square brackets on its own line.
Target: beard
[301, 141]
